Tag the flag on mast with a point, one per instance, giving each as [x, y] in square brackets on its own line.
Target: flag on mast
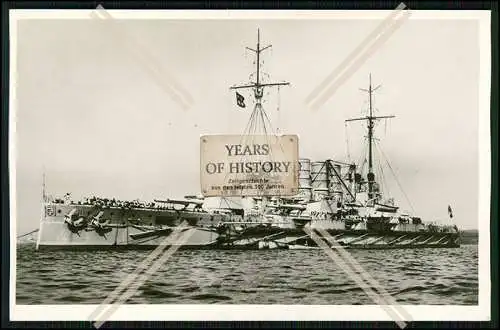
[240, 100]
[450, 213]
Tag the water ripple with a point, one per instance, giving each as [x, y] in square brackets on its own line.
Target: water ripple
[427, 276]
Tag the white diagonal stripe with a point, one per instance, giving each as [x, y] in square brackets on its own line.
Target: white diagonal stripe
[163, 79]
[137, 284]
[333, 75]
[315, 104]
[356, 278]
[132, 276]
[347, 256]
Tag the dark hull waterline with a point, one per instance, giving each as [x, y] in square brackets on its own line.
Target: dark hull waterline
[138, 247]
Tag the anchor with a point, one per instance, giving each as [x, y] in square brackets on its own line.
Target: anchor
[74, 222]
[99, 225]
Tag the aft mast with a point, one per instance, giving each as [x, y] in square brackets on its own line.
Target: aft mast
[370, 119]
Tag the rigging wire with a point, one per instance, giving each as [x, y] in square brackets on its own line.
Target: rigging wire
[396, 178]
[272, 130]
[347, 143]
[362, 159]
[271, 126]
[249, 129]
[364, 109]
[278, 110]
[259, 122]
[382, 174]
[28, 233]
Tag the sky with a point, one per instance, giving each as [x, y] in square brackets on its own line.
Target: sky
[91, 115]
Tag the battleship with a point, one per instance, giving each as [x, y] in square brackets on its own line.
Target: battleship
[340, 199]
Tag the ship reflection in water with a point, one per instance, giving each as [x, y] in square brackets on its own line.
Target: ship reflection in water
[411, 276]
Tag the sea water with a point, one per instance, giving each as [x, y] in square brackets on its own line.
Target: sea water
[419, 276]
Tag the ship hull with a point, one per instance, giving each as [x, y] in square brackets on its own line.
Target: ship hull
[206, 238]
[126, 229]
[55, 235]
[199, 230]
[282, 238]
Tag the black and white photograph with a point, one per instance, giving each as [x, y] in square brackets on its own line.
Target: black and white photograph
[250, 165]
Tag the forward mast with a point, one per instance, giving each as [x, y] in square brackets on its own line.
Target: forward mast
[258, 87]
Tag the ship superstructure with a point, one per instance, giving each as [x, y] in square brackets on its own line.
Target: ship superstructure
[343, 198]
[339, 197]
